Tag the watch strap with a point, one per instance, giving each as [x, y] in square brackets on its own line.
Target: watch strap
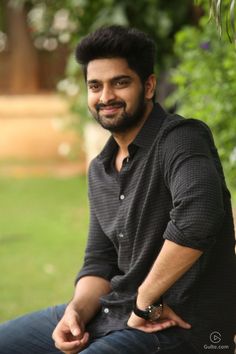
[147, 313]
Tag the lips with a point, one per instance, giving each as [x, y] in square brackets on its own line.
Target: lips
[110, 109]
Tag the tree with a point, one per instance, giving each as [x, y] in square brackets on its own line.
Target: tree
[223, 12]
[205, 86]
[23, 63]
[50, 23]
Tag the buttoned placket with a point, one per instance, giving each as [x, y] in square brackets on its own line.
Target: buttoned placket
[122, 196]
[121, 235]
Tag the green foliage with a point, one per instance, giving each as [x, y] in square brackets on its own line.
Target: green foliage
[76, 18]
[205, 80]
[223, 13]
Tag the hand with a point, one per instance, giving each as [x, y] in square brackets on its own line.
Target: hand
[69, 335]
[168, 319]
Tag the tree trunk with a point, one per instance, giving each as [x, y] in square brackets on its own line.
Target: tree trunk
[23, 56]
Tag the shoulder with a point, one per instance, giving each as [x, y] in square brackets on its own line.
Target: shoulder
[184, 131]
[182, 138]
[177, 123]
[94, 167]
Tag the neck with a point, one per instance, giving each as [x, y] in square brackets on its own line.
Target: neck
[126, 138]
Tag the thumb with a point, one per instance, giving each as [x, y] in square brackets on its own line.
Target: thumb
[180, 322]
[74, 326]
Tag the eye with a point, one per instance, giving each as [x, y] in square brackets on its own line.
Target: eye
[122, 83]
[94, 87]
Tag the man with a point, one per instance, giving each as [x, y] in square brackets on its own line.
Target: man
[159, 268]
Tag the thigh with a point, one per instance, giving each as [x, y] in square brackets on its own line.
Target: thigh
[131, 341]
[32, 333]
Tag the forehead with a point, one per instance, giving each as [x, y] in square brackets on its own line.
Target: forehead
[107, 68]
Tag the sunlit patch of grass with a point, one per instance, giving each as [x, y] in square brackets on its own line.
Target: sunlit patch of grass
[43, 229]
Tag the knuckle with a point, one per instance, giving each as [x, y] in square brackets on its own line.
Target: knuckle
[57, 345]
[54, 334]
[72, 321]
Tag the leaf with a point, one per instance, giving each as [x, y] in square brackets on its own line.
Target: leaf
[216, 13]
[223, 11]
[232, 18]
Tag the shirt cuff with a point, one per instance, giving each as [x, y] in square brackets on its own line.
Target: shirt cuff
[172, 233]
[98, 271]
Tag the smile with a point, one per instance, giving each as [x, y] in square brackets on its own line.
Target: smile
[110, 109]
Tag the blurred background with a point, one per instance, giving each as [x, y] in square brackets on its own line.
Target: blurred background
[47, 137]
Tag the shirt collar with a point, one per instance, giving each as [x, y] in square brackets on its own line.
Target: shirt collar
[144, 138]
[149, 131]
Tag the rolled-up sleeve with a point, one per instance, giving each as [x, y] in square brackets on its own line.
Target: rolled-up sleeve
[193, 176]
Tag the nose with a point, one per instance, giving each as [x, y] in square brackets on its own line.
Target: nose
[107, 95]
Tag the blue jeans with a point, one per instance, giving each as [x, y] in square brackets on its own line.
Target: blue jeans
[31, 334]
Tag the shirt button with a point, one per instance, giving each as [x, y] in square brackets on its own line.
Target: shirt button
[106, 310]
[121, 235]
[122, 197]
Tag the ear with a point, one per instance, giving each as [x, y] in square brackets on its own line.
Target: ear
[150, 86]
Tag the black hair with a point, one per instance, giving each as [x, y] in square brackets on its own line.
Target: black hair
[119, 42]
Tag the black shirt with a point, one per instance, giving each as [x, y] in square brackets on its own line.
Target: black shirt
[172, 187]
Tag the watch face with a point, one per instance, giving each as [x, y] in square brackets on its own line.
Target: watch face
[154, 312]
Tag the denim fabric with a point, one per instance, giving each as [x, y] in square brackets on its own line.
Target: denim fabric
[131, 341]
[31, 334]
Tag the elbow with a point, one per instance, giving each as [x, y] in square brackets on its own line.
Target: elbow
[196, 230]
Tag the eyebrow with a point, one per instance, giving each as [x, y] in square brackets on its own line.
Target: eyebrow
[116, 78]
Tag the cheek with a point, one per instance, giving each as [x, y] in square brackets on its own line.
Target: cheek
[132, 102]
[92, 100]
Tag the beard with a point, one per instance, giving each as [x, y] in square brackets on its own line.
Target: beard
[124, 121]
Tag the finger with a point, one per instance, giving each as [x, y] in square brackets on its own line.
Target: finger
[74, 327]
[179, 321]
[58, 336]
[184, 324]
[150, 327]
[85, 339]
[75, 344]
[160, 326]
[64, 340]
[68, 346]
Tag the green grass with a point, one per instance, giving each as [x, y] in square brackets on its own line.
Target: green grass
[43, 229]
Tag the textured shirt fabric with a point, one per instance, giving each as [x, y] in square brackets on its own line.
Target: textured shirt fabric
[171, 187]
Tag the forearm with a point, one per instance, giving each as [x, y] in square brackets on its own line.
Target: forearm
[86, 297]
[172, 262]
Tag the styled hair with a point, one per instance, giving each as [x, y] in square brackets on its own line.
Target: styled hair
[131, 44]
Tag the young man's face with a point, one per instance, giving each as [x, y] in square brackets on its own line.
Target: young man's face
[116, 96]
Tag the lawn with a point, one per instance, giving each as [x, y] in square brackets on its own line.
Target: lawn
[43, 229]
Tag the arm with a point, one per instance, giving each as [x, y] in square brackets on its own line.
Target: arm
[86, 297]
[172, 262]
[192, 178]
[70, 335]
[92, 282]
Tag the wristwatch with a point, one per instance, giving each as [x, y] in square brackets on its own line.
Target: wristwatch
[152, 312]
